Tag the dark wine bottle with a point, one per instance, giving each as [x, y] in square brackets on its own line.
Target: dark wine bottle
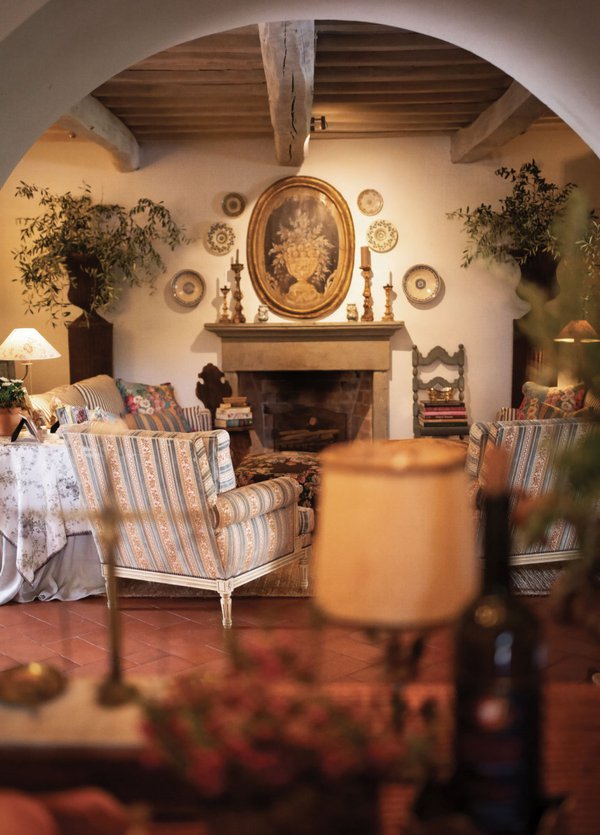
[498, 694]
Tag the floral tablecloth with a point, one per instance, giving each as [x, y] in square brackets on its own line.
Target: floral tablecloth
[39, 500]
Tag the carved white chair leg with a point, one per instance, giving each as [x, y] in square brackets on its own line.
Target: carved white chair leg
[304, 570]
[226, 608]
[110, 589]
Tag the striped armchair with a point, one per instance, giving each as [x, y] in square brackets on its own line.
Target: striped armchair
[534, 448]
[181, 520]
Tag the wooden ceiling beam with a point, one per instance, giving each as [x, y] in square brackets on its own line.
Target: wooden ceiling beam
[398, 58]
[288, 50]
[90, 120]
[390, 86]
[502, 121]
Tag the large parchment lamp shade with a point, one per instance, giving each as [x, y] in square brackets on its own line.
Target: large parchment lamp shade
[395, 541]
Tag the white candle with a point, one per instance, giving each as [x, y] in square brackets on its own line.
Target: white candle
[391, 284]
[365, 257]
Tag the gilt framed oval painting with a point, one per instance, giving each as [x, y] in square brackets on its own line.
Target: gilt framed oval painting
[301, 248]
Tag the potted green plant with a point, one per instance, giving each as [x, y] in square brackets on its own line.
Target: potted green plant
[77, 251]
[74, 241]
[521, 228]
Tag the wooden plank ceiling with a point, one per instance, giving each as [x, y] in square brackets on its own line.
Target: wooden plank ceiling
[369, 81]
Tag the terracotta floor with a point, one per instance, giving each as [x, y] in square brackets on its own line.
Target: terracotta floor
[170, 636]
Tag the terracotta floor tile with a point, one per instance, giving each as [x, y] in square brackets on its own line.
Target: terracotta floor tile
[168, 665]
[80, 651]
[23, 649]
[165, 636]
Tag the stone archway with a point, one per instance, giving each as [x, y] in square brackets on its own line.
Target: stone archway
[62, 50]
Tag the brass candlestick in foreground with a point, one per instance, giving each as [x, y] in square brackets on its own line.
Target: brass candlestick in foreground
[238, 316]
[113, 691]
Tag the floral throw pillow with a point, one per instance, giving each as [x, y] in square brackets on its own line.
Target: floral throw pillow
[147, 399]
[568, 399]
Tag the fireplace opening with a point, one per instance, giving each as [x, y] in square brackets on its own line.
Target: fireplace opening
[309, 410]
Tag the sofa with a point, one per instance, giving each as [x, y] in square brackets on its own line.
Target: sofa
[139, 405]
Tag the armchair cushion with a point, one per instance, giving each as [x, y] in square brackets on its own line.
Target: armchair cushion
[255, 500]
[167, 420]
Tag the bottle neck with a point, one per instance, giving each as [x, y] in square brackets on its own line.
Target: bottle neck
[496, 545]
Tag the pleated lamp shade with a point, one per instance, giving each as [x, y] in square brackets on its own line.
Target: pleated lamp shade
[395, 538]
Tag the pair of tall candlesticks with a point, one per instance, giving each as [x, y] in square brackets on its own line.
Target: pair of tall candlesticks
[237, 314]
[367, 274]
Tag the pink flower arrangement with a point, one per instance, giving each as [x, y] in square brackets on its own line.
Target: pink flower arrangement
[263, 725]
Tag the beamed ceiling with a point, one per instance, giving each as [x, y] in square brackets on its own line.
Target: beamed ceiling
[367, 80]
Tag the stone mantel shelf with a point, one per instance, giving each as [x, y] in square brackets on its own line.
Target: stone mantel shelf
[283, 331]
[309, 347]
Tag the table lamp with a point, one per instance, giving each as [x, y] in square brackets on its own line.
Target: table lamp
[577, 333]
[395, 543]
[394, 549]
[26, 345]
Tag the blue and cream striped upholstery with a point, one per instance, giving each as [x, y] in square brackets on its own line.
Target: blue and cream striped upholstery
[101, 392]
[174, 521]
[198, 418]
[534, 448]
[219, 459]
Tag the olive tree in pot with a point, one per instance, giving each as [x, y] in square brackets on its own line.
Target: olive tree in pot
[522, 230]
[77, 251]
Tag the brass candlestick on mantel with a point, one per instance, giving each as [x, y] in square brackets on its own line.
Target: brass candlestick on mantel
[224, 317]
[388, 316]
[367, 315]
[238, 317]
[367, 274]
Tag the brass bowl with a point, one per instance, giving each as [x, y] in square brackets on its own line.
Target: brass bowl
[441, 394]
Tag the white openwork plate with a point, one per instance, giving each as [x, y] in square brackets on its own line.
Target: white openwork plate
[233, 204]
[421, 284]
[382, 236]
[370, 202]
[188, 288]
[220, 239]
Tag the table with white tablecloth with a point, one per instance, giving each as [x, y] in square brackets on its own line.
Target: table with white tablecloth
[46, 547]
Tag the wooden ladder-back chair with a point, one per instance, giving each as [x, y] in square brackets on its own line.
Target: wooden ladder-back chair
[456, 361]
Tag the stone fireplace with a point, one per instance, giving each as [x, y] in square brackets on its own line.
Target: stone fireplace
[331, 380]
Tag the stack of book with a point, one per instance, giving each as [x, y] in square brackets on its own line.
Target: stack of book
[447, 416]
[230, 416]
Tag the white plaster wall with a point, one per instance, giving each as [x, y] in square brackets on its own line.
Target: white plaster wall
[158, 340]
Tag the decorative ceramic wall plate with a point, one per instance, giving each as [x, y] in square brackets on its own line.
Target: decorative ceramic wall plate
[382, 236]
[421, 284]
[188, 288]
[220, 239]
[233, 204]
[370, 202]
